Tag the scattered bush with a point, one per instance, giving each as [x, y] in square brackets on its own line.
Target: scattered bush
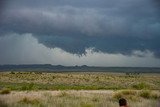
[149, 95]
[27, 100]
[118, 95]
[5, 91]
[129, 92]
[87, 81]
[38, 72]
[30, 86]
[141, 86]
[145, 94]
[134, 95]
[155, 96]
[63, 94]
[53, 77]
[95, 99]
[12, 72]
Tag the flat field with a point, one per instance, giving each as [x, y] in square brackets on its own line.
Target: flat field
[78, 81]
[78, 89]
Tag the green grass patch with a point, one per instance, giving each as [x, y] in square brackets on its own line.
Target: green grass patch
[141, 86]
[77, 81]
[145, 94]
[35, 86]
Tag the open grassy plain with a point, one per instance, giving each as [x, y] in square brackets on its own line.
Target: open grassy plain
[78, 89]
[78, 81]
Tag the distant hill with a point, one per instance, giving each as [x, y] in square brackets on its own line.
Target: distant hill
[60, 68]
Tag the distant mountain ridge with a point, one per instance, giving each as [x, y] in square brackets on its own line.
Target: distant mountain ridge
[59, 68]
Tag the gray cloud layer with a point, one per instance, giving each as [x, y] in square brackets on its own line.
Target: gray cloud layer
[25, 49]
[110, 26]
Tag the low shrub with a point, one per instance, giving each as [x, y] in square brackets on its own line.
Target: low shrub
[12, 72]
[141, 86]
[155, 96]
[149, 95]
[27, 100]
[145, 94]
[5, 91]
[95, 99]
[30, 86]
[129, 92]
[63, 94]
[118, 95]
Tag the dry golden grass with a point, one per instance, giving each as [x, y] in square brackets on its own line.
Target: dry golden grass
[74, 98]
[78, 80]
[99, 89]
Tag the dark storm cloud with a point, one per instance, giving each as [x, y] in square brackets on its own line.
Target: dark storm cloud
[2, 5]
[112, 26]
[115, 44]
[156, 3]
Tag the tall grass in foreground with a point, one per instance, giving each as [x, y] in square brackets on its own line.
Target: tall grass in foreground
[79, 98]
[137, 95]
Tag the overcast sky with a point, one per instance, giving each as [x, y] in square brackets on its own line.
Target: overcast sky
[80, 32]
